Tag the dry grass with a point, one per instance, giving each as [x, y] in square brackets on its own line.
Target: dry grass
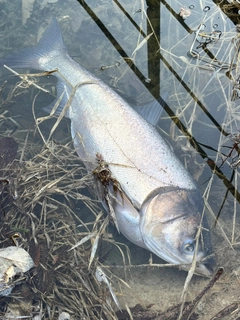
[38, 209]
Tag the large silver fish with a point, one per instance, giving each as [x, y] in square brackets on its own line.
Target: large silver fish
[159, 206]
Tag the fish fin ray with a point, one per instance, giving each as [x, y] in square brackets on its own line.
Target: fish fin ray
[50, 43]
[152, 111]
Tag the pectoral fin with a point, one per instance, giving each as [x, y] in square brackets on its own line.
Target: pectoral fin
[128, 219]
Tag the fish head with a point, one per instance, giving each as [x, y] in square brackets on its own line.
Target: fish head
[170, 222]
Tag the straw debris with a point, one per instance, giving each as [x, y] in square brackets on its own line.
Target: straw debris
[39, 214]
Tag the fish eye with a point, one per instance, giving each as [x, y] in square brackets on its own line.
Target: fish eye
[189, 247]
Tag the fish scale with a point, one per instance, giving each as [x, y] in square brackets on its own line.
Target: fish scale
[116, 136]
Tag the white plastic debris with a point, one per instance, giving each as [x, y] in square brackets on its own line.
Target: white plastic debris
[14, 261]
[64, 316]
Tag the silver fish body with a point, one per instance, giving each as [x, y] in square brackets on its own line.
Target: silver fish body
[160, 207]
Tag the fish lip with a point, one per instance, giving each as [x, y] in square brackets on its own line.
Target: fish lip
[208, 264]
[204, 270]
[200, 270]
[205, 267]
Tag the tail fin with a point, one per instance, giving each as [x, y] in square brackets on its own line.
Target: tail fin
[50, 44]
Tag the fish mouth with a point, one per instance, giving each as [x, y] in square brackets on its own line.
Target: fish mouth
[206, 267]
[201, 269]
[204, 263]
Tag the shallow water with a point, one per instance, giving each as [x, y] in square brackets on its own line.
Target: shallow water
[201, 110]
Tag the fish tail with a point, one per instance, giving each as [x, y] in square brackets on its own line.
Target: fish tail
[38, 56]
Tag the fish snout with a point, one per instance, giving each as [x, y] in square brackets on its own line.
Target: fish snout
[205, 268]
